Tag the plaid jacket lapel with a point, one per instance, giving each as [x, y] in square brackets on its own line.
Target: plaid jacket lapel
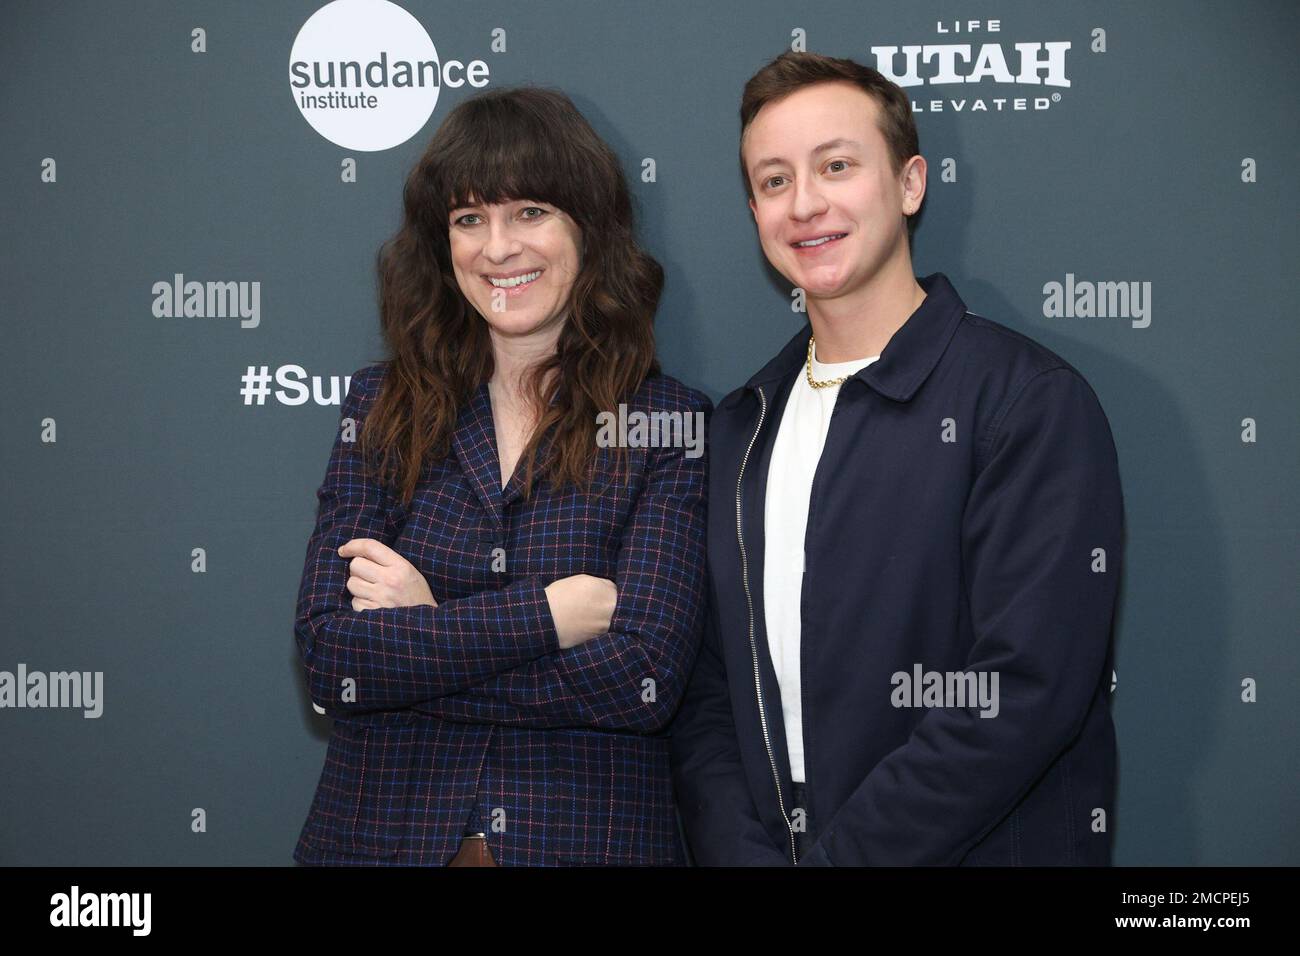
[475, 446]
[474, 443]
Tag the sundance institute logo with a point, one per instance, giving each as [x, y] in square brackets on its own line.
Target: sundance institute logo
[366, 76]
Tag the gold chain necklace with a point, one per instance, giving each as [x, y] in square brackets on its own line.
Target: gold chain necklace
[812, 381]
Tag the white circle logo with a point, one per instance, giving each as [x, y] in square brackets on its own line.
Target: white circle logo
[364, 74]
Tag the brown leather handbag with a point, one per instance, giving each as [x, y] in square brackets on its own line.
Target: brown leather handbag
[474, 851]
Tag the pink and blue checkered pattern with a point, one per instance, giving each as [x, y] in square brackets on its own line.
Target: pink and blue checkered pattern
[469, 713]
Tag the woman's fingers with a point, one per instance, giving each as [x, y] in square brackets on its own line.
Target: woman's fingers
[361, 588]
[372, 549]
[366, 569]
[372, 563]
[380, 577]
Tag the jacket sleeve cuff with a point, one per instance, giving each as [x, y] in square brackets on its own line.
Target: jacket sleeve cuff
[535, 616]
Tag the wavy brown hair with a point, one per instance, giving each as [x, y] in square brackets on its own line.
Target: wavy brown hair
[503, 145]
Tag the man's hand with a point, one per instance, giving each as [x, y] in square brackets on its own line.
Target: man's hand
[582, 606]
[380, 577]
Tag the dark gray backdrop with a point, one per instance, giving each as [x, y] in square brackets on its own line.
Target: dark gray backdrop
[199, 163]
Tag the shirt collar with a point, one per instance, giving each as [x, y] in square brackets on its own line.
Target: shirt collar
[910, 355]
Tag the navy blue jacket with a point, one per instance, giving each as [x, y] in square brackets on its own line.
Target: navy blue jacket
[997, 550]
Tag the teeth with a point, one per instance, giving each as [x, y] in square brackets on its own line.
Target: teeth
[818, 242]
[517, 280]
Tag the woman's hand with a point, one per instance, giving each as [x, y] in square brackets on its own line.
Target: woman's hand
[380, 577]
[582, 606]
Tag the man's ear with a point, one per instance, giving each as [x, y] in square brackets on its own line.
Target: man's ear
[913, 177]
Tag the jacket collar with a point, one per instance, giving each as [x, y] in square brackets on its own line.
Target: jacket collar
[475, 445]
[910, 355]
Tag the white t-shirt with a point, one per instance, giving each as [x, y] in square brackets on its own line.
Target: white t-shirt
[799, 441]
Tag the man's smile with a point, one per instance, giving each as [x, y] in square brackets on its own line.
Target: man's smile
[814, 244]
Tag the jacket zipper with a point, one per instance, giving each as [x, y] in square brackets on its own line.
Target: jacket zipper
[753, 647]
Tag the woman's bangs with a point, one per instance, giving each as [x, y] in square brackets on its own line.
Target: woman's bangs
[492, 173]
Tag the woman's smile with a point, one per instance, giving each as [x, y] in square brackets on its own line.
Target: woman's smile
[515, 284]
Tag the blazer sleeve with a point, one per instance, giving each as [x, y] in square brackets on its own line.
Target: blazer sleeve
[633, 677]
[1047, 495]
[390, 658]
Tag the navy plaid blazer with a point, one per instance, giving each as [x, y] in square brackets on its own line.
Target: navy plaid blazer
[470, 714]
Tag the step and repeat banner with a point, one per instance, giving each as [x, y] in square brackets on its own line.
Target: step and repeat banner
[193, 197]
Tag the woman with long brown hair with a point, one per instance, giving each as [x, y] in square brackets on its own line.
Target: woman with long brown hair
[500, 606]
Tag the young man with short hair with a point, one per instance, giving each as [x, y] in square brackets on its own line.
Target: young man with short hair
[915, 532]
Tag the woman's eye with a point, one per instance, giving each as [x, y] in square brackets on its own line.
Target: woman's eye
[770, 178]
[837, 162]
[473, 215]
